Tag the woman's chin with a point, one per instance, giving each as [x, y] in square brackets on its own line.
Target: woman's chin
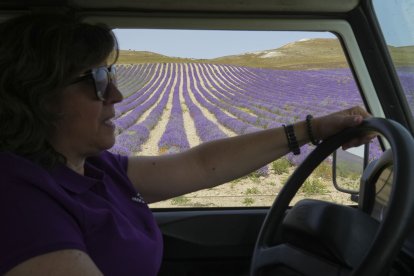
[108, 143]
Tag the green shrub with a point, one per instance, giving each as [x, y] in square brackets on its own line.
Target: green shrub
[281, 166]
[255, 177]
[313, 186]
[323, 171]
[252, 191]
[247, 201]
[180, 200]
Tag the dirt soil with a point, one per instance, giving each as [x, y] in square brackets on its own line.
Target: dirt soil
[250, 191]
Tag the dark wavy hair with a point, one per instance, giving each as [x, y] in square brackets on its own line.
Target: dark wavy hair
[39, 55]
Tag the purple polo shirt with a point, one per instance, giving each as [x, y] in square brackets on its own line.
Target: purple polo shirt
[100, 213]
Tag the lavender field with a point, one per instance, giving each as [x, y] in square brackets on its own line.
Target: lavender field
[170, 107]
[237, 100]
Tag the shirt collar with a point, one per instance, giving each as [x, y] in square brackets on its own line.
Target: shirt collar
[77, 183]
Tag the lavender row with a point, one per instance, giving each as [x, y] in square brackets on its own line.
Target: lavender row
[227, 94]
[230, 107]
[311, 83]
[273, 89]
[276, 88]
[239, 97]
[132, 78]
[233, 124]
[138, 108]
[130, 141]
[292, 158]
[205, 129]
[142, 94]
[174, 138]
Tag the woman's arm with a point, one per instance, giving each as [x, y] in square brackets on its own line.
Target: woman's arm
[217, 162]
[59, 263]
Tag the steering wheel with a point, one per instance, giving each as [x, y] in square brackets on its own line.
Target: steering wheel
[317, 238]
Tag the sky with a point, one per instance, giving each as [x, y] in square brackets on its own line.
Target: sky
[207, 44]
[397, 20]
[395, 16]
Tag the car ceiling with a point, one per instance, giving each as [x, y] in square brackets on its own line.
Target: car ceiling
[182, 5]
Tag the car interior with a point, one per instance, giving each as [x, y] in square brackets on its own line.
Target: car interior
[332, 212]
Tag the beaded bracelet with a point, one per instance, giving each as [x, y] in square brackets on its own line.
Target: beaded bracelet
[310, 132]
[291, 138]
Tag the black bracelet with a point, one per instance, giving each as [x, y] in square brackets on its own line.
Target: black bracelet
[291, 138]
[310, 132]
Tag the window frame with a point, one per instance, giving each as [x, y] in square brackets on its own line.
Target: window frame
[338, 27]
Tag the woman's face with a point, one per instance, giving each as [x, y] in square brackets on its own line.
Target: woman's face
[86, 127]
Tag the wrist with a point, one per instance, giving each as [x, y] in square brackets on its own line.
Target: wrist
[291, 139]
[301, 133]
[311, 129]
[316, 128]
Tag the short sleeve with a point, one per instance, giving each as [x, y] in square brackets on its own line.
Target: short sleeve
[121, 159]
[33, 221]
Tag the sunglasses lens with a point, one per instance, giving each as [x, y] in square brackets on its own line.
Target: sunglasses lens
[100, 76]
[112, 73]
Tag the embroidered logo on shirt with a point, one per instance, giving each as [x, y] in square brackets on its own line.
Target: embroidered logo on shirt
[138, 198]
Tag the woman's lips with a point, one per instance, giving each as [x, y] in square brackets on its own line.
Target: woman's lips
[109, 123]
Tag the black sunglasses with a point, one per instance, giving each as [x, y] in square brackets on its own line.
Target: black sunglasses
[101, 76]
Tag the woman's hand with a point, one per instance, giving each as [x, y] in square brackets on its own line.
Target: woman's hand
[331, 124]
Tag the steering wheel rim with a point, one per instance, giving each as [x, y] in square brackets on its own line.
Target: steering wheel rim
[393, 228]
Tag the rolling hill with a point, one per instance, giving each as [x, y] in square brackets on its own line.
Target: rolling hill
[304, 54]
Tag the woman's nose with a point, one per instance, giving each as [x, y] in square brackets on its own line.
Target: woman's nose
[114, 95]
